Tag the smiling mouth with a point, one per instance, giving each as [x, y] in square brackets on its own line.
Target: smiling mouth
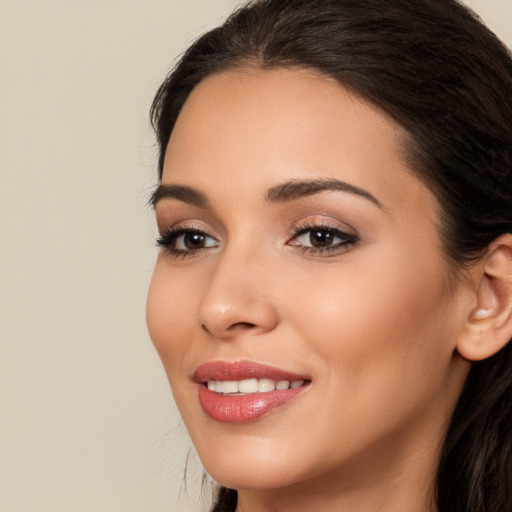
[251, 386]
[243, 391]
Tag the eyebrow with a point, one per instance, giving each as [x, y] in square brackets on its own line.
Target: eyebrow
[295, 189]
[181, 193]
[288, 191]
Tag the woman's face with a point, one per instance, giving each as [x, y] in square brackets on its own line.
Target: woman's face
[299, 250]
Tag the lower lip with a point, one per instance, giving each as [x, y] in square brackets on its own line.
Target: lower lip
[243, 408]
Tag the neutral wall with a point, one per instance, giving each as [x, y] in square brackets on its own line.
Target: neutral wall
[86, 418]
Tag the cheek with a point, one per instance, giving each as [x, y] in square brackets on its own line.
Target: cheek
[379, 347]
[376, 326]
[166, 308]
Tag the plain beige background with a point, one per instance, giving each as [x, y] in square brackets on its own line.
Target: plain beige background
[87, 422]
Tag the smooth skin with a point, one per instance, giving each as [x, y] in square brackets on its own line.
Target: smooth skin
[350, 287]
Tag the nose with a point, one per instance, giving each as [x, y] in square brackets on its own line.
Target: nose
[237, 299]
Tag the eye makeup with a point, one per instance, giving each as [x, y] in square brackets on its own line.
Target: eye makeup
[184, 241]
[321, 239]
[311, 237]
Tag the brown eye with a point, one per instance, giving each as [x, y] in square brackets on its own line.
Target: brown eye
[183, 241]
[321, 238]
[193, 240]
[321, 241]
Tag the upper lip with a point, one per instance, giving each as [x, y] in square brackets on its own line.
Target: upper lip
[241, 370]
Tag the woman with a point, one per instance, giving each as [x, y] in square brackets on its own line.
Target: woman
[332, 300]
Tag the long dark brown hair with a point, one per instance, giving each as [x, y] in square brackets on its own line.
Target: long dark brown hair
[447, 80]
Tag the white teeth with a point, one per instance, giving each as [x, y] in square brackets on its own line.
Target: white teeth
[230, 386]
[248, 386]
[266, 385]
[282, 384]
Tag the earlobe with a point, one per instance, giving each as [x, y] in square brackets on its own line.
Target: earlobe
[489, 325]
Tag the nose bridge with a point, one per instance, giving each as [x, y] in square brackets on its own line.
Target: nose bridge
[237, 298]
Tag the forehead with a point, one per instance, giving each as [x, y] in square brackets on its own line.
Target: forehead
[249, 129]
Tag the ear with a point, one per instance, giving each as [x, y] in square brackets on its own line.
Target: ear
[489, 325]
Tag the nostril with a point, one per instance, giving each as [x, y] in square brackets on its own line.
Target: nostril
[238, 326]
[242, 325]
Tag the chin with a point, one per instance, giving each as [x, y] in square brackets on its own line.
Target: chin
[236, 475]
[254, 462]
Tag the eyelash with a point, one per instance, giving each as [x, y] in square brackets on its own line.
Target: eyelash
[169, 238]
[347, 239]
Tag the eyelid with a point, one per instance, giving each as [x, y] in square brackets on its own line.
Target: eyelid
[188, 225]
[343, 237]
[168, 236]
[347, 235]
[169, 214]
[324, 222]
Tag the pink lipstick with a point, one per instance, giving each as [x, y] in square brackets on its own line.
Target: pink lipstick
[238, 392]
